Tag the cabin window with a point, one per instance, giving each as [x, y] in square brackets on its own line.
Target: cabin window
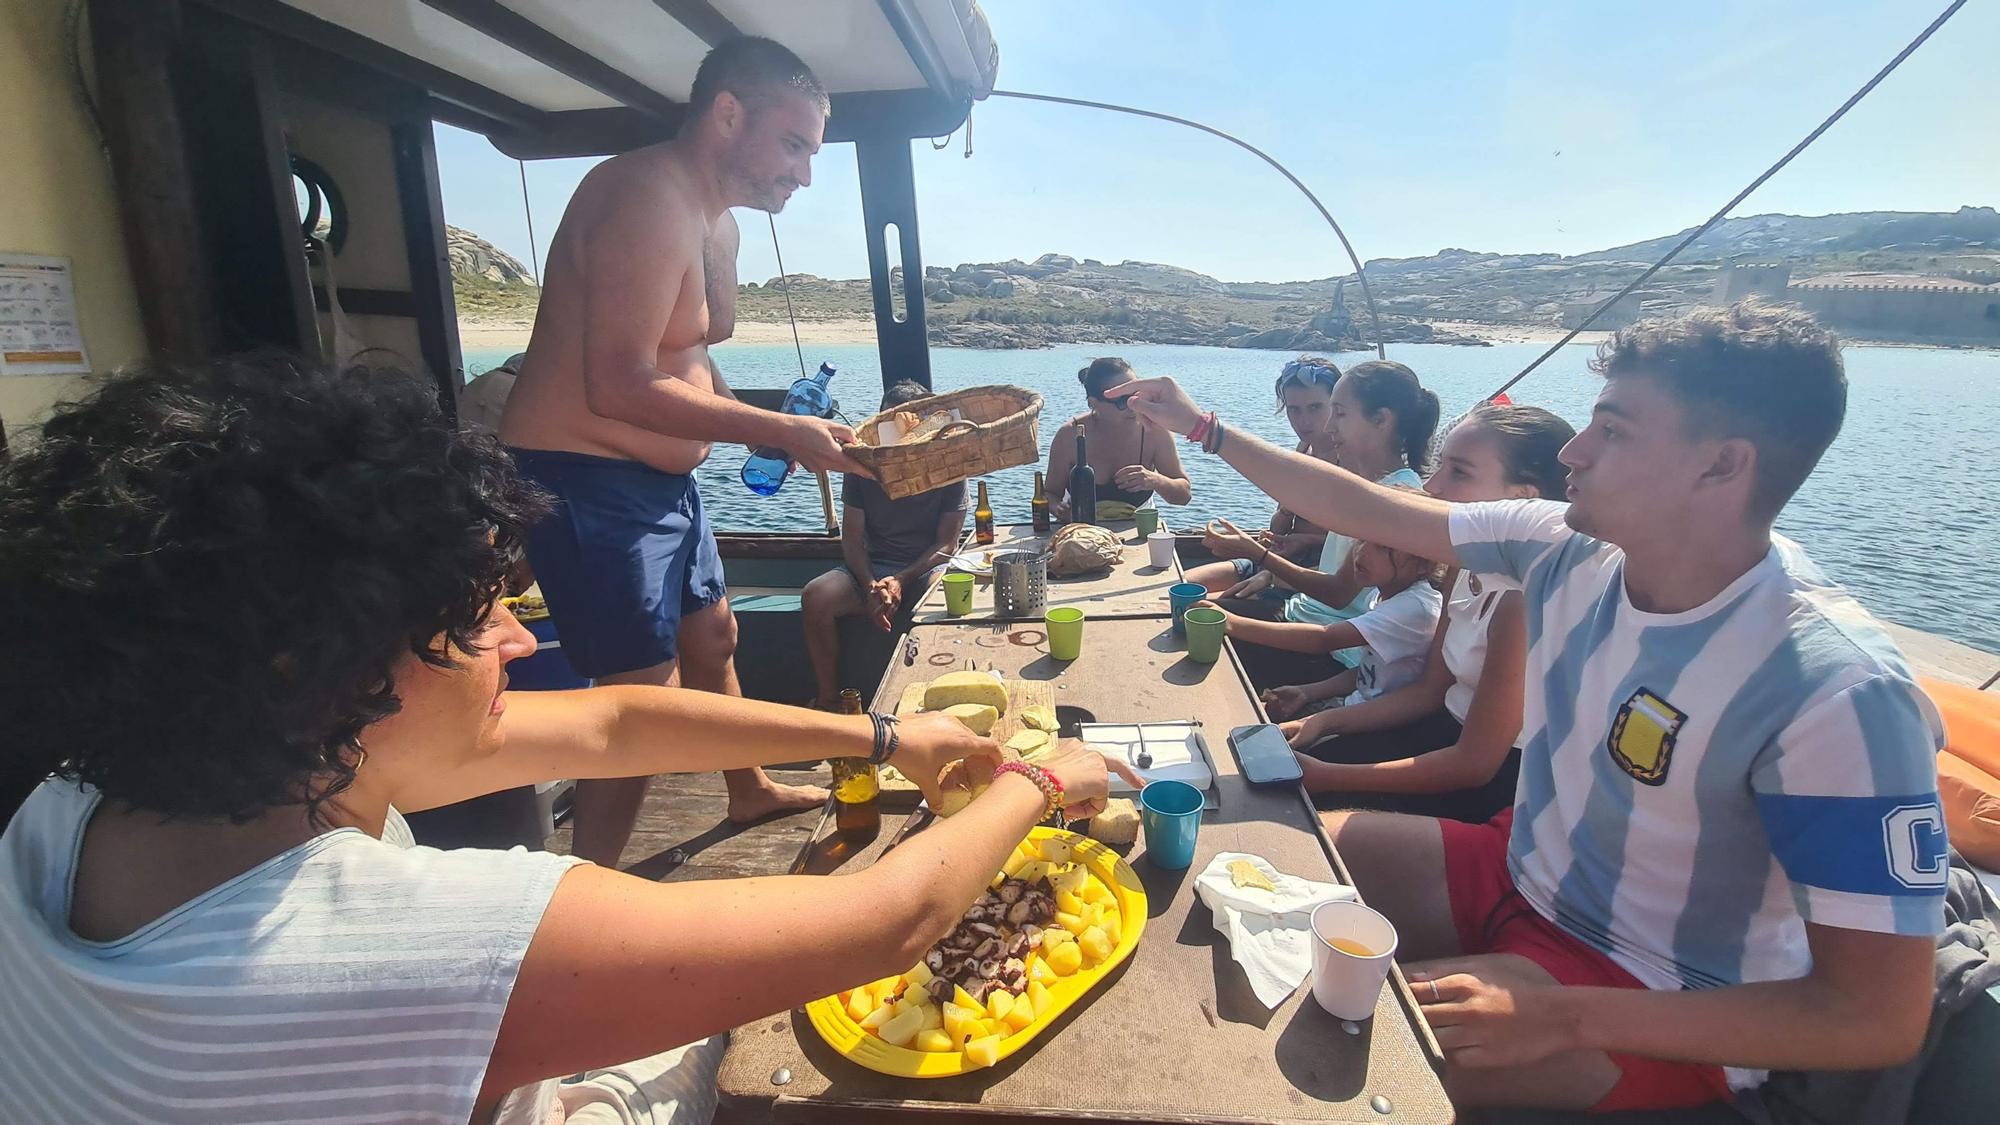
[322, 210]
[899, 279]
[1993, 311]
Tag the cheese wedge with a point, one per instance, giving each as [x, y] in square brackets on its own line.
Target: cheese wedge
[977, 717]
[1118, 824]
[1030, 744]
[1040, 717]
[954, 688]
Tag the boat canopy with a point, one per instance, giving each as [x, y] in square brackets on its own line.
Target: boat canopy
[547, 78]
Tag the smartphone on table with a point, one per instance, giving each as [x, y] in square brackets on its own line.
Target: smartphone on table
[1264, 756]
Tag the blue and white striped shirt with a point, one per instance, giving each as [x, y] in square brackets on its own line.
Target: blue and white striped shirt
[1696, 786]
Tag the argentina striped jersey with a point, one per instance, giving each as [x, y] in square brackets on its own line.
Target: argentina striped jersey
[1696, 786]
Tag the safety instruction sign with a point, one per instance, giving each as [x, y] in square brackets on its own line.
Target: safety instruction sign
[39, 333]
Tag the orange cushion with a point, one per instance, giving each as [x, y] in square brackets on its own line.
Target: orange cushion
[1971, 722]
[1969, 769]
[1971, 799]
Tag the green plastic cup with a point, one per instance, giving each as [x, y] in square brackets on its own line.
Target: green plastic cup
[1149, 521]
[958, 593]
[1065, 626]
[1204, 634]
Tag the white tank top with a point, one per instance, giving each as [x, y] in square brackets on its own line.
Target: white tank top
[1467, 614]
[347, 979]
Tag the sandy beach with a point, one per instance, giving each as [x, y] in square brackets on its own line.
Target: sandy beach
[512, 332]
[1512, 333]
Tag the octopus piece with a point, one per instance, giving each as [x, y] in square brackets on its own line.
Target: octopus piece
[1019, 913]
[989, 949]
[934, 960]
[1011, 891]
[1018, 945]
[940, 989]
[984, 929]
[988, 968]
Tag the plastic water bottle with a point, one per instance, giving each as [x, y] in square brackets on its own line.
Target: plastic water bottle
[765, 472]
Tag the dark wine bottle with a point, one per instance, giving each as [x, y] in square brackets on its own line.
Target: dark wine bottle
[1082, 485]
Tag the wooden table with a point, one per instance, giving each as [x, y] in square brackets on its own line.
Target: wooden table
[1133, 588]
[1175, 1035]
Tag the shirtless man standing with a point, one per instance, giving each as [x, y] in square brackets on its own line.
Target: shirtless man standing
[618, 402]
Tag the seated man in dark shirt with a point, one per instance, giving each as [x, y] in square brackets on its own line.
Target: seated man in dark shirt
[891, 550]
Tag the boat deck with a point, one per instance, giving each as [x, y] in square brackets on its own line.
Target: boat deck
[684, 832]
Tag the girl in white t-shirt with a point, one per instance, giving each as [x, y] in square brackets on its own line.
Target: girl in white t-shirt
[1392, 635]
[1442, 743]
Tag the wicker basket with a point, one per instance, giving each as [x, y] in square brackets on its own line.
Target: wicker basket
[996, 431]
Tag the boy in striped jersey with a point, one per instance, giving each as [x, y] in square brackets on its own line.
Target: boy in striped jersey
[1726, 854]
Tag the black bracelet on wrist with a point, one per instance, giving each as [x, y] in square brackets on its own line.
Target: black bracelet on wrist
[887, 740]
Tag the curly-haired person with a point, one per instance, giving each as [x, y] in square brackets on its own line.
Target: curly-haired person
[263, 598]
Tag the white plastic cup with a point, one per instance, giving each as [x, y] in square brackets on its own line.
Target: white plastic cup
[1161, 545]
[1345, 982]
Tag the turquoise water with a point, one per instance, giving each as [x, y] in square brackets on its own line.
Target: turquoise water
[1902, 510]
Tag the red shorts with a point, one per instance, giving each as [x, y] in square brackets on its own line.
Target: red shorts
[1492, 917]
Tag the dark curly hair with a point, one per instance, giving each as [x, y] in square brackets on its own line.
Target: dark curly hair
[221, 566]
[1757, 370]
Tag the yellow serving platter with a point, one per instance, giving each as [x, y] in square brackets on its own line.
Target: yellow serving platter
[831, 1019]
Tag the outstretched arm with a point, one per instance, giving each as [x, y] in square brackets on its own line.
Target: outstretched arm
[623, 967]
[1294, 636]
[1326, 494]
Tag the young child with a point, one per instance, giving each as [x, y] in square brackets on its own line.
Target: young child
[1393, 636]
[1380, 422]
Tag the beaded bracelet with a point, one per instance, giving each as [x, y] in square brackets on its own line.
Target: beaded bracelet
[1211, 438]
[1052, 789]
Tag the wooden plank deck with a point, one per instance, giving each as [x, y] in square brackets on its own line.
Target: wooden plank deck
[683, 832]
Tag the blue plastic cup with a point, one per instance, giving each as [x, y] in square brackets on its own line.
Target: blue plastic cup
[1170, 812]
[1182, 595]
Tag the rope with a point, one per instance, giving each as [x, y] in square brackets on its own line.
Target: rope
[1374, 319]
[1990, 681]
[785, 283]
[1726, 208]
[528, 213]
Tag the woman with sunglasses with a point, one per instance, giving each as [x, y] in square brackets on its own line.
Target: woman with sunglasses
[1130, 464]
[1305, 395]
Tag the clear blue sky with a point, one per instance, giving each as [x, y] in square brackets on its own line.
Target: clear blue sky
[1522, 126]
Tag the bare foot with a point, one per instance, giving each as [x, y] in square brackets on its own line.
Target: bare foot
[755, 803]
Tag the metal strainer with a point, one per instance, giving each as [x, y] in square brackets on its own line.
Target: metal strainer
[1020, 584]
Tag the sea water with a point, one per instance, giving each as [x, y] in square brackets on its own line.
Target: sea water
[1904, 510]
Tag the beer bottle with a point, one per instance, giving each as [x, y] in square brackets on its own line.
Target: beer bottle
[1040, 505]
[856, 784]
[982, 518]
